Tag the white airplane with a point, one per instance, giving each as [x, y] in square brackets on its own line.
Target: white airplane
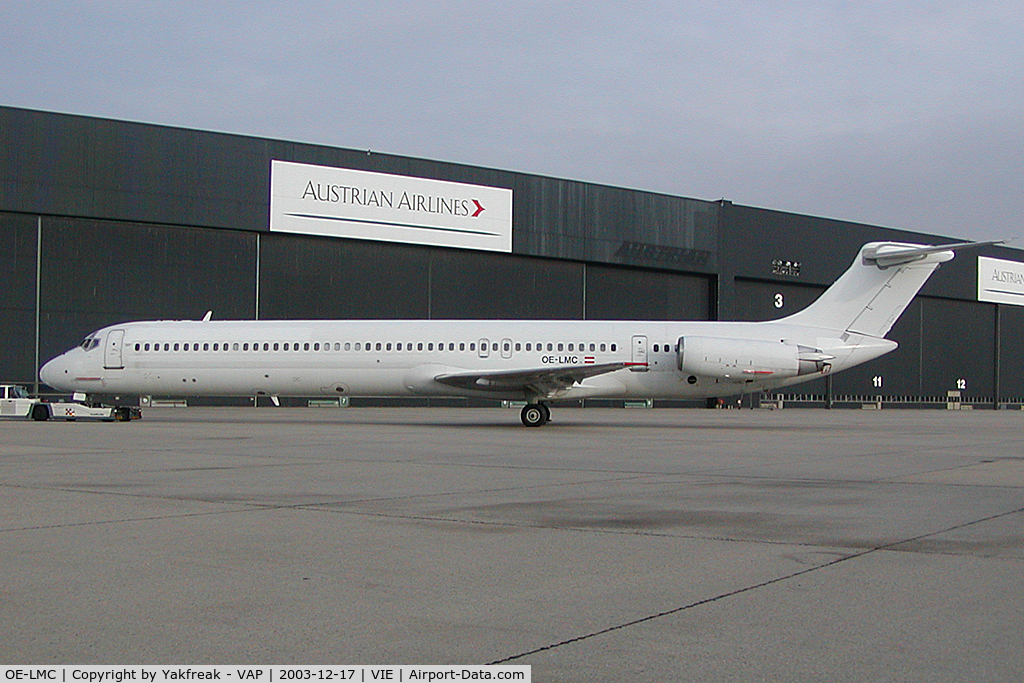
[535, 361]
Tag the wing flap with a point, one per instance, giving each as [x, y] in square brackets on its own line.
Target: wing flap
[539, 381]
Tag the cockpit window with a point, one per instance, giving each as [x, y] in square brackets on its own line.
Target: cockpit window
[89, 343]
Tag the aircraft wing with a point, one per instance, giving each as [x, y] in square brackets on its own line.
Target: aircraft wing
[540, 381]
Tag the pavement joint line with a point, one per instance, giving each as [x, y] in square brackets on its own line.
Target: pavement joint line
[750, 588]
[550, 527]
[100, 522]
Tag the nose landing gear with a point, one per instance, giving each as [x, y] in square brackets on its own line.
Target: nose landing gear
[535, 414]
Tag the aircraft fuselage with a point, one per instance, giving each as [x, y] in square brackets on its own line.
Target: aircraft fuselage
[404, 358]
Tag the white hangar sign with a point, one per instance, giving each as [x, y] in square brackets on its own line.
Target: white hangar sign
[1000, 282]
[341, 202]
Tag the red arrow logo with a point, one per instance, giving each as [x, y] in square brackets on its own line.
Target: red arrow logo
[479, 208]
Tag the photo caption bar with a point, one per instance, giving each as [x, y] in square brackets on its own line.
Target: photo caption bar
[264, 673]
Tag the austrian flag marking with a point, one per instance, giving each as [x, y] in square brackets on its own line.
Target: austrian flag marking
[588, 360]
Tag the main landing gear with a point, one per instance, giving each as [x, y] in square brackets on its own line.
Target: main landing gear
[535, 414]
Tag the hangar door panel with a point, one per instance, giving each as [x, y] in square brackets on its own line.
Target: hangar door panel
[319, 278]
[487, 286]
[616, 293]
[894, 374]
[17, 307]
[1011, 360]
[760, 300]
[123, 271]
[957, 347]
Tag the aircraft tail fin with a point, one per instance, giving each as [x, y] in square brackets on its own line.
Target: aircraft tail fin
[870, 296]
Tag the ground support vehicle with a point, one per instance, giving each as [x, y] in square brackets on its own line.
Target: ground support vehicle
[15, 402]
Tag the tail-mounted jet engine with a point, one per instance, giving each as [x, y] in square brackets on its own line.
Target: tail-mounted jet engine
[744, 360]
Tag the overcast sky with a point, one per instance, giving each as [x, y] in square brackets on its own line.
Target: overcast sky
[897, 113]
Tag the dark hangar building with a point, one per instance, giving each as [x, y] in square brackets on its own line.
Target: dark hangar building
[103, 221]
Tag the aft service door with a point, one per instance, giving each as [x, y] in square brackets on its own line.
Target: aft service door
[639, 353]
[112, 351]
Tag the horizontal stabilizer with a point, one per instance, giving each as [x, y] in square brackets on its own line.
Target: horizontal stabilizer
[885, 255]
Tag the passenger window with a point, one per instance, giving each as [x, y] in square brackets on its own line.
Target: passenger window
[560, 346]
[570, 347]
[518, 346]
[430, 346]
[451, 346]
[494, 346]
[147, 346]
[462, 346]
[613, 347]
[528, 346]
[472, 346]
[419, 347]
[602, 347]
[234, 347]
[277, 346]
[378, 346]
[305, 347]
[348, 346]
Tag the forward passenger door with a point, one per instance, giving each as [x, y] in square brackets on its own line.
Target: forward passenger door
[112, 359]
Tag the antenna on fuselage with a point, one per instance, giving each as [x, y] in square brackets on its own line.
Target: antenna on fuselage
[206, 318]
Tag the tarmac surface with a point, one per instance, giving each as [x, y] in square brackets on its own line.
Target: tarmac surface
[639, 545]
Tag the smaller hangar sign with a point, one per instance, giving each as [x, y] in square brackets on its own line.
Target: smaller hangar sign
[1000, 282]
[341, 202]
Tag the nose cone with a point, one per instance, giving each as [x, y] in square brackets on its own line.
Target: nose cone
[55, 373]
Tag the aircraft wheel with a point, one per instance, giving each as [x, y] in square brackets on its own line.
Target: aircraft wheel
[535, 414]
